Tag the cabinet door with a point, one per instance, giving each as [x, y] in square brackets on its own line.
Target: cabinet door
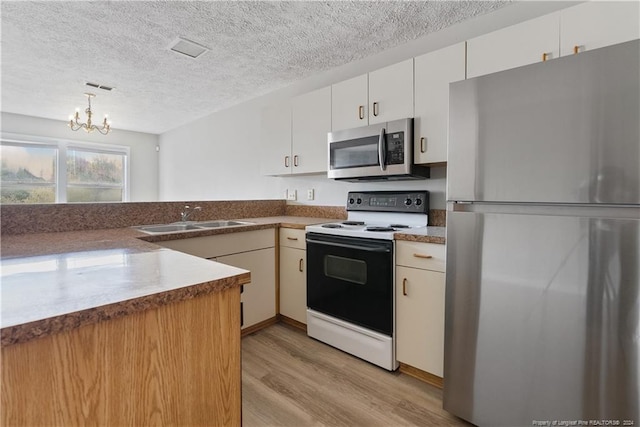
[349, 103]
[311, 121]
[259, 296]
[433, 73]
[275, 132]
[420, 318]
[514, 46]
[596, 24]
[391, 92]
[293, 284]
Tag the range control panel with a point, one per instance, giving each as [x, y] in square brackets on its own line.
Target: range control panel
[388, 201]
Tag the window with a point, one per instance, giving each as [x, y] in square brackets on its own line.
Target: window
[62, 171]
[28, 173]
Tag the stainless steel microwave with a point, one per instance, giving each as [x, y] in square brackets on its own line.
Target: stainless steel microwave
[383, 151]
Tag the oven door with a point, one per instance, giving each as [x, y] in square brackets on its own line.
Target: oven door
[351, 279]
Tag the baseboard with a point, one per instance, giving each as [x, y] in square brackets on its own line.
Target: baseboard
[428, 378]
[291, 322]
[261, 325]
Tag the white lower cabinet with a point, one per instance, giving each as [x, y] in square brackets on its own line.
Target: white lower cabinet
[293, 275]
[420, 294]
[259, 296]
[250, 250]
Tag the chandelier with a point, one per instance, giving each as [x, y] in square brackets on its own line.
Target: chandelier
[75, 124]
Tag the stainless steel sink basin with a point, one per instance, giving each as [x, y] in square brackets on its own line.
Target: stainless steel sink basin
[167, 228]
[216, 224]
[179, 227]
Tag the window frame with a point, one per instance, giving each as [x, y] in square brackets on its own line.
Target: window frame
[62, 146]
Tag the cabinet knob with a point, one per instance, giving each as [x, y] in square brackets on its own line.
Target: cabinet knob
[404, 286]
[295, 160]
[423, 145]
[300, 265]
[576, 49]
[545, 56]
[375, 109]
[361, 112]
[286, 161]
[423, 256]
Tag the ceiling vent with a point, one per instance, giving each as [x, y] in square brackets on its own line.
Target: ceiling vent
[187, 47]
[99, 86]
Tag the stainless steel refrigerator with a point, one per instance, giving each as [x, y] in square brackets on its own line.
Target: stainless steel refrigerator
[543, 243]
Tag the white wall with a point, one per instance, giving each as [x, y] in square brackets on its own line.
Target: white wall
[143, 158]
[217, 157]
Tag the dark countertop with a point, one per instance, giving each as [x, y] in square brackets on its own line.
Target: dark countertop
[55, 282]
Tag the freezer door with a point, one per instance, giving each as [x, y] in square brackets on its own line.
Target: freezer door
[542, 318]
[561, 131]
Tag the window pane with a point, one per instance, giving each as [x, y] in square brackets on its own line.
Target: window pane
[85, 167]
[28, 174]
[93, 194]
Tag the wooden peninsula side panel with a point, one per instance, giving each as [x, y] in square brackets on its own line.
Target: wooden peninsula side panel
[174, 365]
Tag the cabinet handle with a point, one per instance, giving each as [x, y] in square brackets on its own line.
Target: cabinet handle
[292, 238]
[300, 265]
[576, 49]
[286, 161]
[545, 56]
[361, 112]
[423, 145]
[423, 256]
[404, 286]
[295, 160]
[375, 109]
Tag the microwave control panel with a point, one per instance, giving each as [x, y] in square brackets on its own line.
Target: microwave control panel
[395, 148]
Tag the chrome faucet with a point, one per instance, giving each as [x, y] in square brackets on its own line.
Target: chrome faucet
[184, 216]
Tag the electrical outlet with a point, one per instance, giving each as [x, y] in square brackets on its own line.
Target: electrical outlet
[292, 195]
[310, 194]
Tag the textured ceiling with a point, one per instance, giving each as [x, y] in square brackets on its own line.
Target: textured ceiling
[51, 48]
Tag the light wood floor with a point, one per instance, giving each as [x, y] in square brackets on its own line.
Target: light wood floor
[289, 379]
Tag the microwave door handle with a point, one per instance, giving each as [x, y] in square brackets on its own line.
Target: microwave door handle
[382, 150]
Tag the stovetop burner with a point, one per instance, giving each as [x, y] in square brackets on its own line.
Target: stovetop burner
[353, 222]
[379, 229]
[331, 226]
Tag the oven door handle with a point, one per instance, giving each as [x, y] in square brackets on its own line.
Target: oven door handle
[380, 249]
[382, 150]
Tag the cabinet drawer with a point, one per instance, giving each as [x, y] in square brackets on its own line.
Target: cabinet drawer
[427, 256]
[292, 238]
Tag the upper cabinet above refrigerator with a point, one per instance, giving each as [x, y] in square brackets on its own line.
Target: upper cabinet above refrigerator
[595, 24]
[589, 25]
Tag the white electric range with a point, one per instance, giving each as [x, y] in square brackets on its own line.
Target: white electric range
[351, 273]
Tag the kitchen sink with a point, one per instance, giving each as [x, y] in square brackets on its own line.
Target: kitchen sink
[190, 226]
[216, 224]
[167, 228]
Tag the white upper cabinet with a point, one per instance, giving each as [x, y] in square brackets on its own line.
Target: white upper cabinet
[510, 47]
[311, 121]
[294, 134]
[349, 103]
[433, 73]
[380, 96]
[597, 24]
[275, 131]
[391, 92]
